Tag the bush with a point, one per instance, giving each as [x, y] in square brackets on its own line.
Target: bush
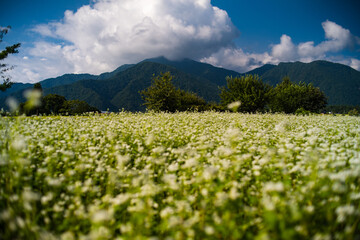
[353, 112]
[250, 91]
[288, 97]
[162, 95]
[302, 111]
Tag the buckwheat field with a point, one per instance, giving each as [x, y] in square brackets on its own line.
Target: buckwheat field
[180, 176]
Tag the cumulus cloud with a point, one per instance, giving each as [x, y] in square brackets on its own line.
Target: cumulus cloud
[237, 59]
[101, 36]
[108, 33]
[337, 39]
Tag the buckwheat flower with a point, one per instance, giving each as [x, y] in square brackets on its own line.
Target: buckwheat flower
[355, 196]
[234, 106]
[149, 139]
[339, 187]
[344, 211]
[120, 199]
[173, 167]
[33, 97]
[126, 228]
[309, 209]
[18, 144]
[100, 233]
[101, 216]
[221, 199]
[171, 181]
[13, 104]
[67, 236]
[322, 236]
[29, 195]
[209, 230]
[273, 187]
[204, 192]
[174, 221]
[167, 211]
[233, 193]
[189, 163]
[47, 198]
[148, 189]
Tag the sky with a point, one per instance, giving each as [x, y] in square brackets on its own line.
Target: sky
[96, 36]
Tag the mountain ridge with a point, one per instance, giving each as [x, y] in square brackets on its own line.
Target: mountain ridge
[120, 88]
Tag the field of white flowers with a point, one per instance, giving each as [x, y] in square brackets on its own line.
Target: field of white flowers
[180, 176]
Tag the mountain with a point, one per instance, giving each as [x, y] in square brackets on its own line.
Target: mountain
[17, 89]
[261, 70]
[214, 74]
[339, 82]
[120, 89]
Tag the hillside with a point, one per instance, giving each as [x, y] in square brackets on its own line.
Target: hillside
[214, 74]
[120, 89]
[340, 83]
[17, 89]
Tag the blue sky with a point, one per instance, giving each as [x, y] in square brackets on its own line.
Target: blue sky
[70, 36]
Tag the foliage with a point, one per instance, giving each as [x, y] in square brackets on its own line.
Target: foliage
[341, 109]
[302, 111]
[4, 54]
[53, 104]
[162, 95]
[74, 107]
[287, 97]
[120, 89]
[353, 112]
[180, 176]
[250, 91]
[340, 83]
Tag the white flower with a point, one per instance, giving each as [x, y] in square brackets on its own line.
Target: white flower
[273, 187]
[101, 216]
[234, 106]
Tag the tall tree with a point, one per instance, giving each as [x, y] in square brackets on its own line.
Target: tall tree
[162, 95]
[250, 91]
[4, 54]
[288, 97]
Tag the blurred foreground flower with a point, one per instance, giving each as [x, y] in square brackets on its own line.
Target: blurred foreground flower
[33, 97]
[12, 104]
[234, 106]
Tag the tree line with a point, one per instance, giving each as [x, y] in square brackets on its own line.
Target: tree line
[249, 92]
[52, 104]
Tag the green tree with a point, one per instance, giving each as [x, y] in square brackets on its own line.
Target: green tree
[162, 95]
[288, 97]
[74, 107]
[4, 54]
[191, 101]
[249, 90]
[353, 112]
[53, 103]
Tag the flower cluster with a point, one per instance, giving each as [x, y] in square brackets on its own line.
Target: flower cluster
[180, 176]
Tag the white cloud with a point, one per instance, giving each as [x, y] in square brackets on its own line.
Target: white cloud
[237, 59]
[337, 39]
[355, 63]
[108, 33]
[284, 51]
